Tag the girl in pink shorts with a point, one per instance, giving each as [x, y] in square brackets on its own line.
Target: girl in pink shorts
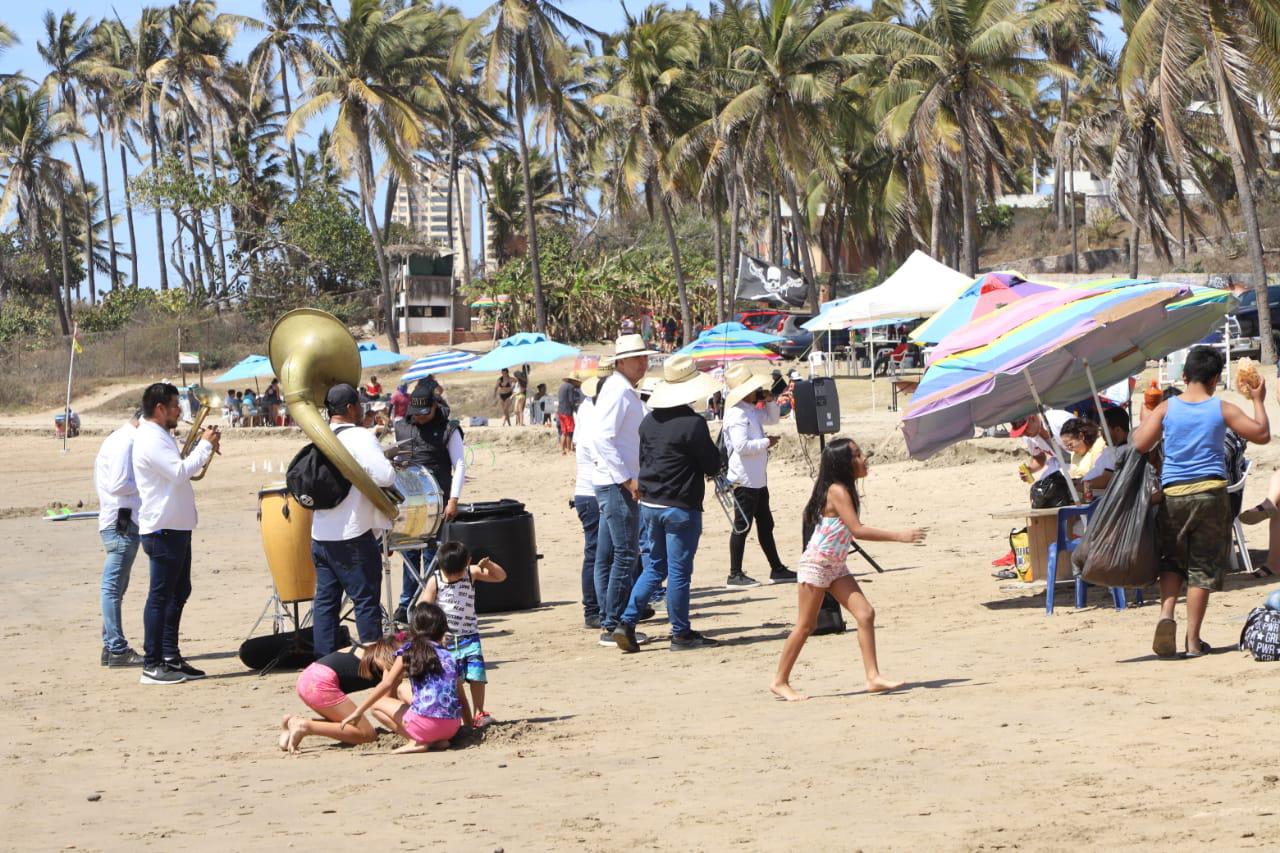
[434, 714]
[832, 512]
[324, 686]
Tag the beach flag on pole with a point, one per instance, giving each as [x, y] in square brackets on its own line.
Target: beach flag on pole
[76, 346]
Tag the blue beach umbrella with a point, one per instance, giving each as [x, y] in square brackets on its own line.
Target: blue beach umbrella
[249, 367]
[445, 361]
[522, 348]
[372, 356]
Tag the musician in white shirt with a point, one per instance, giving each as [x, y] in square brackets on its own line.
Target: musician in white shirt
[118, 504]
[166, 517]
[584, 498]
[344, 543]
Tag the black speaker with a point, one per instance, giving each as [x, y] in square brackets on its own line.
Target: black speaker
[817, 406]
[830, 616]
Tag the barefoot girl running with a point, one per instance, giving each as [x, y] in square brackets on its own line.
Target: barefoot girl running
[832, 512]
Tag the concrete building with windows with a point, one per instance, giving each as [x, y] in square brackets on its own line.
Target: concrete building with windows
[425, 210]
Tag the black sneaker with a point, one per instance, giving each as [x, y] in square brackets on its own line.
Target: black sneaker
[105, 654]
[401, 616]
[647, 613]
[691, 640]
[606, 639]
[592, 623]
[625, 636]
[782, 575]
[189, 672]
[161, 674]
[740, 581]
[128, 657]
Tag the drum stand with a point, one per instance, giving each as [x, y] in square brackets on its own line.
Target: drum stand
[421, 574]
[279, 619]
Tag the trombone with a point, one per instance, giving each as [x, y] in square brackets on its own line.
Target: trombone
[207, 404]
[729, 503]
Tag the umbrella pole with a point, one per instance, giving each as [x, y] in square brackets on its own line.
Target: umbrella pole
[1064, 463]
[1097, 404]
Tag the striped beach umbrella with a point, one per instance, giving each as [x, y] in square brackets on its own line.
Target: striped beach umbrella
[445, 361]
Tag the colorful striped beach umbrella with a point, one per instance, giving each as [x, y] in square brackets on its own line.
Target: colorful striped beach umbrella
[445, 361]
[491, 302]
[989, 292]
[1060, 344]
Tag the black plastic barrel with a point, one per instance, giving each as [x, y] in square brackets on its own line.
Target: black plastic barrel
[502, 531]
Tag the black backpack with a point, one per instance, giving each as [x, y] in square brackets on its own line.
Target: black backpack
[724, 452]
[314, 481]
[1261, 634]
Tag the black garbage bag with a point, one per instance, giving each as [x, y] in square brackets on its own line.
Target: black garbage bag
[1120, 542]
[1051, 491]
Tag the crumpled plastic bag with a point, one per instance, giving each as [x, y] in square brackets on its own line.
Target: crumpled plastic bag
[1120, 541]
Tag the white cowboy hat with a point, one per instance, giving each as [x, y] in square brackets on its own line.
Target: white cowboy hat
[629, 346]
[742, 382]
[681, 384]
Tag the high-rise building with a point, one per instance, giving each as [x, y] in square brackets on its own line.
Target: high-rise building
[425, 209]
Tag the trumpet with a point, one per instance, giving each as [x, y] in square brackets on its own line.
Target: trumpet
[207, 404]
[729, 503]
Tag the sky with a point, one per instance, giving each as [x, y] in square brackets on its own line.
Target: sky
[26, 21]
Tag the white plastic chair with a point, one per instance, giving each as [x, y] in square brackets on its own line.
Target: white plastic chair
[1242, 548]
[819, 364]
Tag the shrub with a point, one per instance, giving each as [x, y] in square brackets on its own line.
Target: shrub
[995, 217]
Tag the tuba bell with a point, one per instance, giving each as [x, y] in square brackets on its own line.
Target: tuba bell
[311, 351]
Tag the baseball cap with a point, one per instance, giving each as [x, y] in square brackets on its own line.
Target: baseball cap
[423, 398]
[1017, 428]
[340, 396]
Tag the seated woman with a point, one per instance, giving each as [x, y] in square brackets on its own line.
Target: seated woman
[1083, 439]
[884, 356]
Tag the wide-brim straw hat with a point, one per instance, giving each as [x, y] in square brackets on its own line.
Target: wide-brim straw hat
[741, 382]
[591, 385]
[630, 346]
[681, 384]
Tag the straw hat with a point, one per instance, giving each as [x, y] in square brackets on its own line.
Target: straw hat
[742, 382]
[629, 346]
[591, 385]
[681, 384]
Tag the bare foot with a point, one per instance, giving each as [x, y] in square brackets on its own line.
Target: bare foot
[297, 731]
[785, 691]
[880, 684]
[409, 747]
[284, 732]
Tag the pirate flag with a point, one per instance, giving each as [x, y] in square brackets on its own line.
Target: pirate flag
[760, 281]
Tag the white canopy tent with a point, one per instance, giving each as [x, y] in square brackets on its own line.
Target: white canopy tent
[921, 287]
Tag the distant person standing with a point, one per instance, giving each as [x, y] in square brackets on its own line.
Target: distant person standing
[400, 402]
[520, 395]
[373, 388]
[584, 496]
[567, 399]
[668, 334]
[166, 517]
[503, 390]
[118, 504]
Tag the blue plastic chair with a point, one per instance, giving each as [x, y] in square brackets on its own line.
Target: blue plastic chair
[1065, 544]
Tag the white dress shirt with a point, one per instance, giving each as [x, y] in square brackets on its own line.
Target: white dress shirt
[457, 464]
[747, 444]
[583, 423]
[356, 513]
[113, 477]
[163, 478]
[616, 436]
[1041, 445]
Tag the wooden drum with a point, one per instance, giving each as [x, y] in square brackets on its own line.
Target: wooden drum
[286, 540]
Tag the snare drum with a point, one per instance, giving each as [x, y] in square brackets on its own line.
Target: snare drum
[421, 511]
[286, 539]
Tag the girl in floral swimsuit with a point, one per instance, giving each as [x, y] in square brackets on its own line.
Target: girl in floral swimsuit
[833, 513]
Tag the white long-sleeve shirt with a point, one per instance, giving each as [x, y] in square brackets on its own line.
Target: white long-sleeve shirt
[113, 477]
[584, 453]
[356, 513]
[616, 437]
[748, 445]
[163, 477]
[457, 464]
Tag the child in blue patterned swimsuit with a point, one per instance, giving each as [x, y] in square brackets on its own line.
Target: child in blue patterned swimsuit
[434, 715]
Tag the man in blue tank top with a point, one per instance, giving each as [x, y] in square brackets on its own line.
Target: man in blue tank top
[1194, 520]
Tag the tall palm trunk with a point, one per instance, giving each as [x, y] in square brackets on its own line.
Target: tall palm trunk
[64, 242]
[154, 133]
[775, 229]
[197, 219]
[1234, 125]
[1060, 183]
[42, 238]
[379, 250]
[969, 236]
[106, 194]
[128, 213]
[448, 224]
[288, 111]
[530, 219]
[213, 171]
[1075, 246]
[801, 230]
[719, 220]
[388, 206]
[1135, 237]
[674, 247]
[88, 228]
[935, 217]
[463, 239]
[735, 250]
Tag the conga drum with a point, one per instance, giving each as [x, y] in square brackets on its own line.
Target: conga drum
[286, 540]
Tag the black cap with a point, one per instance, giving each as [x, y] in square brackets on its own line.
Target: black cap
[423, 398]
[341, 396]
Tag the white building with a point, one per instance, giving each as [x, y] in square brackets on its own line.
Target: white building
[425, 210]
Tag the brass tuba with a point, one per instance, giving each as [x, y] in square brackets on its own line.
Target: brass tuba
[311, 351]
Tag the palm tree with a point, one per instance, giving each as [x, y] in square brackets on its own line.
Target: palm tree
[651, 103]
[784, 86]
[68, 50]
[1239, 43]
[360, 65]
[527, 48]
[956, 69]
[507, 204]
[286, 24]
[30, 133]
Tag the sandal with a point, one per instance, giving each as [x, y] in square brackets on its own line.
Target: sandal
[1205, 649]
[1165, 644]
[1005, 575]
[1259, 513]
[479, 721]
[1263, 572]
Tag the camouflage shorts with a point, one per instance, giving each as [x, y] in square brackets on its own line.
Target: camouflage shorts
[1195, 537]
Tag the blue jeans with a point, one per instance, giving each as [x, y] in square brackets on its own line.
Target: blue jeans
[673, 536]
[589, 515]
[413, 565]
[121, 549]
[352, 566]
[170, 553]
[616, 546]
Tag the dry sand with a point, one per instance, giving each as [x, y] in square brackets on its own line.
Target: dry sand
[1017, 730]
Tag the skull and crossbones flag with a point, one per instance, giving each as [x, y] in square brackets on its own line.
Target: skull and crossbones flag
[760, 281]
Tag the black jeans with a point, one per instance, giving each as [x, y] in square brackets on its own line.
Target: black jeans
[589, 514]
[170, 554]
[352, 566]
[753, 506]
